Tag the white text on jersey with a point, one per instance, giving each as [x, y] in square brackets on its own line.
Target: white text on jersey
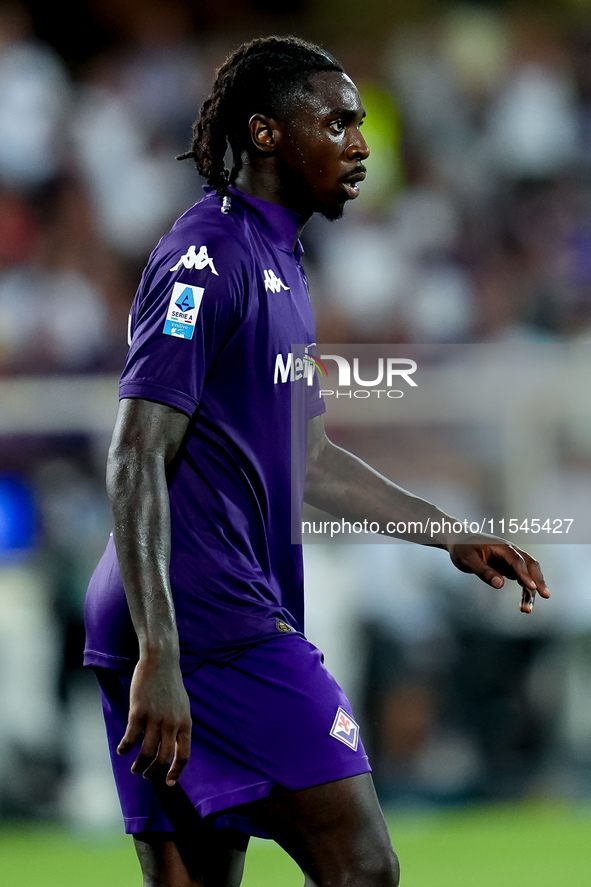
[290, 368]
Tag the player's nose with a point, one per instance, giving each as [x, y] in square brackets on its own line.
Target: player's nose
[358, 149]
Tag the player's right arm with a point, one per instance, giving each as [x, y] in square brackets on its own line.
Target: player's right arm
[146, 438]
[191, 300]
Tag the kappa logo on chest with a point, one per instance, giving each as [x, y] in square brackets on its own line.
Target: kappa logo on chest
[274, 283]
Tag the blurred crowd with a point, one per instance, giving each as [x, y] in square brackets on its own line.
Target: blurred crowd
[474, 225]
[88, 183]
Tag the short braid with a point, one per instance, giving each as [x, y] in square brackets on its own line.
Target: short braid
[258, 77]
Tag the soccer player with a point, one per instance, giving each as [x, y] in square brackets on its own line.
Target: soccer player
[194, 614]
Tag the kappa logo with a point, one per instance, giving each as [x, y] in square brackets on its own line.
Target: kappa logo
[198, 260]
[345, 729]
[274, 283]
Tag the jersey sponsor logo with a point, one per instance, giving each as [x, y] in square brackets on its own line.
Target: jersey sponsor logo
[289, 368]
[345, 729]
[198, 260]
[183, 309]
[274, 283]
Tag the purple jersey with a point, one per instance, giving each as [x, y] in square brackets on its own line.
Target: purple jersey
[219, 329]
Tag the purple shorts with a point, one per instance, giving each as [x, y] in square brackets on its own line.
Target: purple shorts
[273, 715]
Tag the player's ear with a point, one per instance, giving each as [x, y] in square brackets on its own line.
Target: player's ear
[264, 132]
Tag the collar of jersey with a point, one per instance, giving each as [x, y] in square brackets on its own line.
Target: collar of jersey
[280, 223]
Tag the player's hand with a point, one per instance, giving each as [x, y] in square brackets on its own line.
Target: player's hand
[159, 710]
[492, 559]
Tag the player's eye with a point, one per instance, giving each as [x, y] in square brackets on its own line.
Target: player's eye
[338, 125]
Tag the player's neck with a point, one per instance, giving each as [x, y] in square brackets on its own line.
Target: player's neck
[263, 183]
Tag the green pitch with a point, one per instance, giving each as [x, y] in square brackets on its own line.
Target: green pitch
[537, 845]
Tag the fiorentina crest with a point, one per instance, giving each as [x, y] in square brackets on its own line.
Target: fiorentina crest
[345, 729]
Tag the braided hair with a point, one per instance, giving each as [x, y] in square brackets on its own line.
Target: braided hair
[263, 76]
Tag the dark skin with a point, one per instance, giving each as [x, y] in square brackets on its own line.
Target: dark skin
[310, 162]
[146, 438]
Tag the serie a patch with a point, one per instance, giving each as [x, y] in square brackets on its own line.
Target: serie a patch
[345, 729]
[183, 309]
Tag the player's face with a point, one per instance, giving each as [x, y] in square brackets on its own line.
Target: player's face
[323, 150]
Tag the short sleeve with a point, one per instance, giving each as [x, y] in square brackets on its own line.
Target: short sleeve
[187, 307]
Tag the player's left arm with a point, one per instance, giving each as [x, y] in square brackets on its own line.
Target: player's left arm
[341, 484]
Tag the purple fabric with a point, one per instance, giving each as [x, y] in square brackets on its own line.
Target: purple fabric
[221, 297]
[264, 718]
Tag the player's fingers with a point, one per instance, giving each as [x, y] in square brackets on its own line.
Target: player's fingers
[164, 756]
[135, 728]
[148, 751]
[470, 560]
[528, 597]
[516, 564]
[535, 571]
[490, 576]
[182, 754]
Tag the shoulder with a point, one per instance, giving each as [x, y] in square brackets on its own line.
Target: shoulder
[205, 239]
[203, 259]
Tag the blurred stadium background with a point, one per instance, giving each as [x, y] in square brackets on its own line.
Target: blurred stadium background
[474, 226]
